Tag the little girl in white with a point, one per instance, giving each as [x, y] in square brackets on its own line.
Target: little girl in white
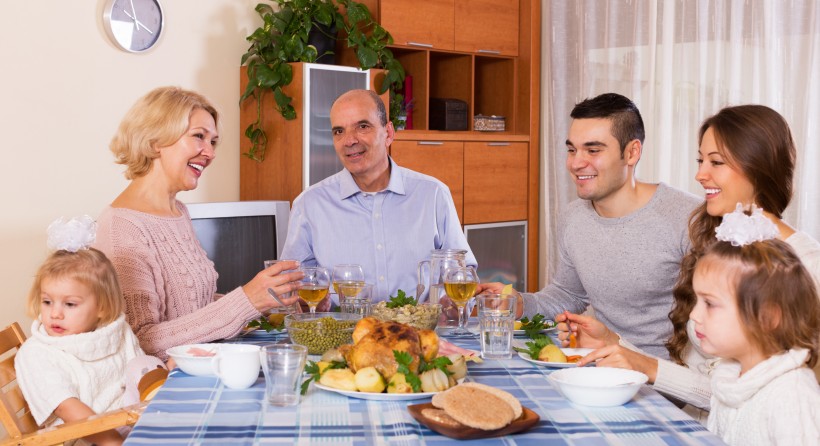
[74, 364]
[757, 309]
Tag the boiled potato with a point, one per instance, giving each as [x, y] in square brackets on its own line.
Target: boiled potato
[551, 353]
[276, 319]
[342, 379]
[398, 384]
[323, 365]
[369, 379]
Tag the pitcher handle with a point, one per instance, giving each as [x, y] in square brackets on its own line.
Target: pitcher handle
[420, 277]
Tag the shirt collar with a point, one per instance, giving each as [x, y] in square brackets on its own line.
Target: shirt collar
[349, 188]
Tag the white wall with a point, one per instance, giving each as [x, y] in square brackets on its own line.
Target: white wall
[63, 90]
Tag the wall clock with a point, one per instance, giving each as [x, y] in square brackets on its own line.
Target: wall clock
[133, 25]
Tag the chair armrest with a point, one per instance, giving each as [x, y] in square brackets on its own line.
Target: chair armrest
[94, 424]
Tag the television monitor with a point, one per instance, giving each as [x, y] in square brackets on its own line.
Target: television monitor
[501, 252]
[239, 236]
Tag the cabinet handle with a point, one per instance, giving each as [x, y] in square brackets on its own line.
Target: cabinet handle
[430, 143]
[498, 144]
[425, 45]
[489, 51]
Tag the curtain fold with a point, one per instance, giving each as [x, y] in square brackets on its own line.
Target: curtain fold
[681, 61]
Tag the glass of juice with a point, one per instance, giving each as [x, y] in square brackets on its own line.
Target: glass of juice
[314, 286]
[460, 284]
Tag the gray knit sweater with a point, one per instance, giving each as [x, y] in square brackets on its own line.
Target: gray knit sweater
[624, 267]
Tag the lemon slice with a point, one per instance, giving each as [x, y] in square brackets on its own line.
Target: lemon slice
[507, 289]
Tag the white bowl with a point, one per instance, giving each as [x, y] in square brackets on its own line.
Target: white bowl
[192, 364]
[598, 386]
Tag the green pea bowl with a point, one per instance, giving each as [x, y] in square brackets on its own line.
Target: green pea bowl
[320, 332]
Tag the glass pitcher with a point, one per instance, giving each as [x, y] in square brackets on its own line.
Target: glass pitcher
[430, 286]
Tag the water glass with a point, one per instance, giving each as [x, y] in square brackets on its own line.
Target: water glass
[283, 365]
[356, 299]
[496, 320]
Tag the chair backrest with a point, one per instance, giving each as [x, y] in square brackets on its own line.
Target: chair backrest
[14, 412]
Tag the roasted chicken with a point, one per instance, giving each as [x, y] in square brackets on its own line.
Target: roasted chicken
[374, 341]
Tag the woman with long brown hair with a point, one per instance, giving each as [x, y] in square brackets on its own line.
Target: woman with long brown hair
[746, 156]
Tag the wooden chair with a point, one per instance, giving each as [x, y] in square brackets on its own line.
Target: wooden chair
[16, 416]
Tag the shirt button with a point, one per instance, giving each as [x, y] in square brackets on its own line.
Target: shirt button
[381, 278]
[379, 246]
[377, 215]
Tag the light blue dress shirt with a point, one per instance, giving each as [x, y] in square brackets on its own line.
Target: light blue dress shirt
[388, 233]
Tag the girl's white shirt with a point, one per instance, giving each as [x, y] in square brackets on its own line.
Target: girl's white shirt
[87, 366]
[777, 402]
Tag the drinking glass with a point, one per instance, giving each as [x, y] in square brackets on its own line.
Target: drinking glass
[285, 309]
[496, 320]
[355, 298]
[349, 275]
[314, 286]
[460, 284]
[282, 365]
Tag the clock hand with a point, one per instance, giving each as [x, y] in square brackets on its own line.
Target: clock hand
[138, 23]
[145, 27]
[134, 11]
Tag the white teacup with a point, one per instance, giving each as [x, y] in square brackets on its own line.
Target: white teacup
[237, 365]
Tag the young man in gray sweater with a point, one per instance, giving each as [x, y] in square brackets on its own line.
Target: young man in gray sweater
[620, 244]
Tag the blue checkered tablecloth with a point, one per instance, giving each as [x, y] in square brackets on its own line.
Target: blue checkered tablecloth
[200, 410]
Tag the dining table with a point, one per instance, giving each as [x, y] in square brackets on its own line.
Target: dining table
[191, 410]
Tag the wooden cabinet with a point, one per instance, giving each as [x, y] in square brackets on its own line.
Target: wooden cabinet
[419, 23]
[486, 27]
[495, 181]
[443, 160]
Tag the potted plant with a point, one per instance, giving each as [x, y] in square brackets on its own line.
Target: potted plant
[284, 37]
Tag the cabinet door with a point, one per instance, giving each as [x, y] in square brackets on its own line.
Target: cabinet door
[495, 182]
[443, 160]
[419, 23]
[486, 26]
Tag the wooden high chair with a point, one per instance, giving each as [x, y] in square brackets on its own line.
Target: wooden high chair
[16, 416]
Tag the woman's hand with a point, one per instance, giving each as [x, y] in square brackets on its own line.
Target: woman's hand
[273, 277]
[623, 358]
[589, 332]
[498, 288]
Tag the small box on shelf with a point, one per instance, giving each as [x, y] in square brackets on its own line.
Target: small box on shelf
[448, 114]
[493, 123]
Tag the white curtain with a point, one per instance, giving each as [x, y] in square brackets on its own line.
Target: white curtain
[681, 61]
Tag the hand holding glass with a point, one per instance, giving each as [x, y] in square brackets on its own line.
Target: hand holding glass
[460, 284]
[314, 286]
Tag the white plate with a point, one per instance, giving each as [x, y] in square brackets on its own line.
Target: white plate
[255, 331]
[560, 365]
[380, 396]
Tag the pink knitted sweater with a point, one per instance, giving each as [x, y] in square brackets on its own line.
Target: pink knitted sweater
[168, 281]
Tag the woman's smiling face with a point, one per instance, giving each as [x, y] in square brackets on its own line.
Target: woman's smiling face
[725, 185]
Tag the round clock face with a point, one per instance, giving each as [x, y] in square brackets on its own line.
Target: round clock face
[133, 25]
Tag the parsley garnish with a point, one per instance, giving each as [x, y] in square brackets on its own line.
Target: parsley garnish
[265, 324]
[440, 363]
[404, 359]
[535, 346]
[532, 328]
[400, 300]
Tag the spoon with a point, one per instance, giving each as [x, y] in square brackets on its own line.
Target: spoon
[275, 297]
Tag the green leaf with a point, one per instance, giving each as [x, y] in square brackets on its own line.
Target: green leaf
[401, 299]
[404, 360]
[534, 327]
[534, 347]
[440, 363]
[367, 57]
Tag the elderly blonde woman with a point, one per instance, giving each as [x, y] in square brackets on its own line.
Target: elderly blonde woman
[166, 142]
